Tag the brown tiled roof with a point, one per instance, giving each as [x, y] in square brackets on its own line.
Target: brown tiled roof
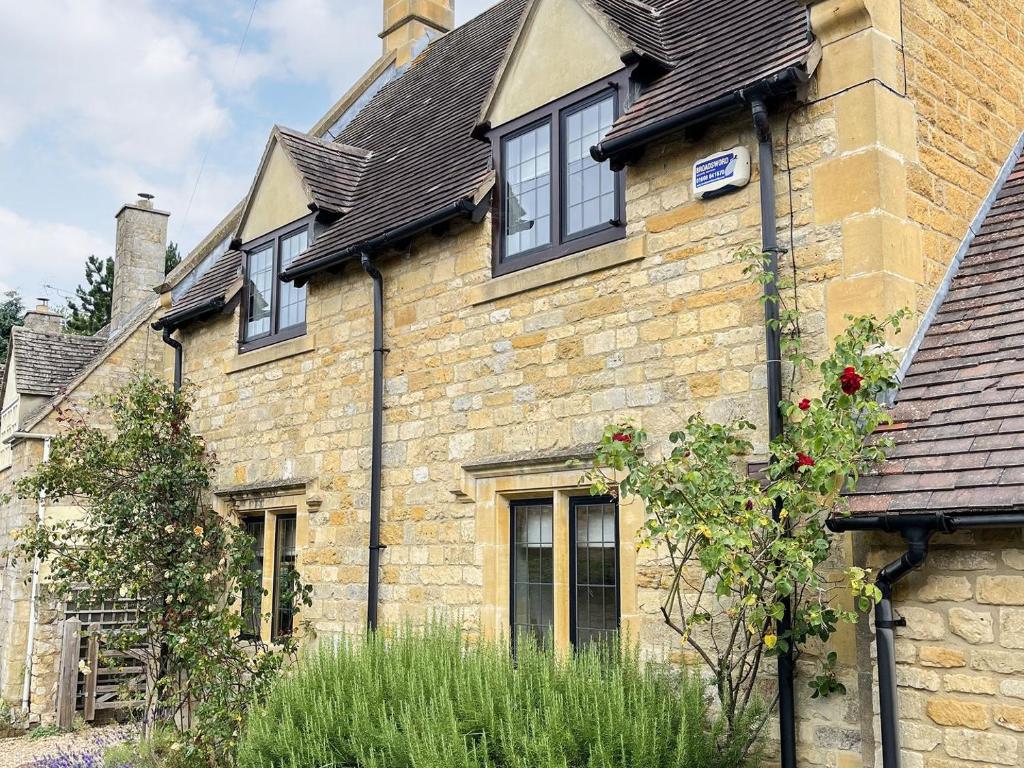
[44, 363]
[420, 129]
[426, 163]
[718, 48]
[331, 170]
[959, 417]
[208, 294]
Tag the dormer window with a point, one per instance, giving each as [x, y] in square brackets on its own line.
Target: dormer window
[553, 198]
[273, 310]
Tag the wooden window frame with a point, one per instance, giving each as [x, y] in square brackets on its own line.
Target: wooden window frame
[275, 610]
[560, 557]
[574, 501]
[560, 244]
[275, 334]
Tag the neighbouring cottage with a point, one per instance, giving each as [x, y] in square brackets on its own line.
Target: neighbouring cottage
[514, 202]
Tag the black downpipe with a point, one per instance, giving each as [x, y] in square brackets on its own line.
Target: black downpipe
[885, 639]
[176, 346]
[373, 582]
[916, 530]
[773, 348]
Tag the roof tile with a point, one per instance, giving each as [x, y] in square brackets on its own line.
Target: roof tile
[963, 395]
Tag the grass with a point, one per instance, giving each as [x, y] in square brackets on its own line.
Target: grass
[430, 700]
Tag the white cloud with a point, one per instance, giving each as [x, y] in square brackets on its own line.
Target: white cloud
[321, 40]
[50, 252]
[124, 79]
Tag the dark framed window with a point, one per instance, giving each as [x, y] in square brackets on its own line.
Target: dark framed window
[273, 310]
[285, 554]
[593, 595]
[552, 197]
[594, 605]
[532, 569]
[252, 597]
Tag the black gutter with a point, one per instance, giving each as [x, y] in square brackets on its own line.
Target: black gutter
[176, 346]
[773, 349]
[300, 273]
[785, 81]
[376, 440]
[916, 530]
[173, 320]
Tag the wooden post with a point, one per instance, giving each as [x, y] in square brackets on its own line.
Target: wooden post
[67, 688]
[93, 662]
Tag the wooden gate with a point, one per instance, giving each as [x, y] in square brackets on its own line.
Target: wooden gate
[94, 679]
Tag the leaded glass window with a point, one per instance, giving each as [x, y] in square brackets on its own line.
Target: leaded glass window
[594, 571]
[285, 555]
[527, 175]
[590, 199]
[274, 310]
[252, 596]
[533, 569]
[553, 197]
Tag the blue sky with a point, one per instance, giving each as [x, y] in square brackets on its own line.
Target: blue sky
[102, 99]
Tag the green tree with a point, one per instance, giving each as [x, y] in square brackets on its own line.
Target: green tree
[732, 563]
[172, 257]
[91, 310]
[147, 533]
[12, 313]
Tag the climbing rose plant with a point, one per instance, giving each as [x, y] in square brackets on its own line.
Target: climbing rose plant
[147, 535]
[741, 541]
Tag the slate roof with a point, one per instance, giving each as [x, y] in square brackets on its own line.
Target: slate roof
[45, 363]
[331, 170]
[426, 163]
[959, 417]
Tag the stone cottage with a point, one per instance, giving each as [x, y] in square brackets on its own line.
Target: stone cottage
[511, 233]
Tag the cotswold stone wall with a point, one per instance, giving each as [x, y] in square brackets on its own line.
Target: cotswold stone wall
[960, 659]
[965, 76]
[653, 328]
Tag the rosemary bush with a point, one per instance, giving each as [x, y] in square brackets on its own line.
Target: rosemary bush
[431, 700]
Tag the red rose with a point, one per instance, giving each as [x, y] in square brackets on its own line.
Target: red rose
[622, 437]
[849, 380]
[804, 404]
[803, 460]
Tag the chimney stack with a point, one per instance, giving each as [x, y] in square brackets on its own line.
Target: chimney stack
[406, 22]
[139, 257]
[42, 319]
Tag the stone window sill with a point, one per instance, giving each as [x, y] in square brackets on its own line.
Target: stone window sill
[566, 268]
[271, 354]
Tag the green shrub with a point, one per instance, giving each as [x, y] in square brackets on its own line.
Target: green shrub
[162, 749]
[431, 700]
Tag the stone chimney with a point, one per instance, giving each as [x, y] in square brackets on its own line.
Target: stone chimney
[42, 319]
[138, 257]
[407, 22]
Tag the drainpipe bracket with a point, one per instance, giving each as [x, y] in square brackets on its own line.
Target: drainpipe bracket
[892, 624]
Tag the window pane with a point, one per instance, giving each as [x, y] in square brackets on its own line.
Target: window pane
[596, 574]
[261, 276]
[526, 169]
[252, 597]
[590, 186]
[293, 300]
[284, 570]
[533, 570]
